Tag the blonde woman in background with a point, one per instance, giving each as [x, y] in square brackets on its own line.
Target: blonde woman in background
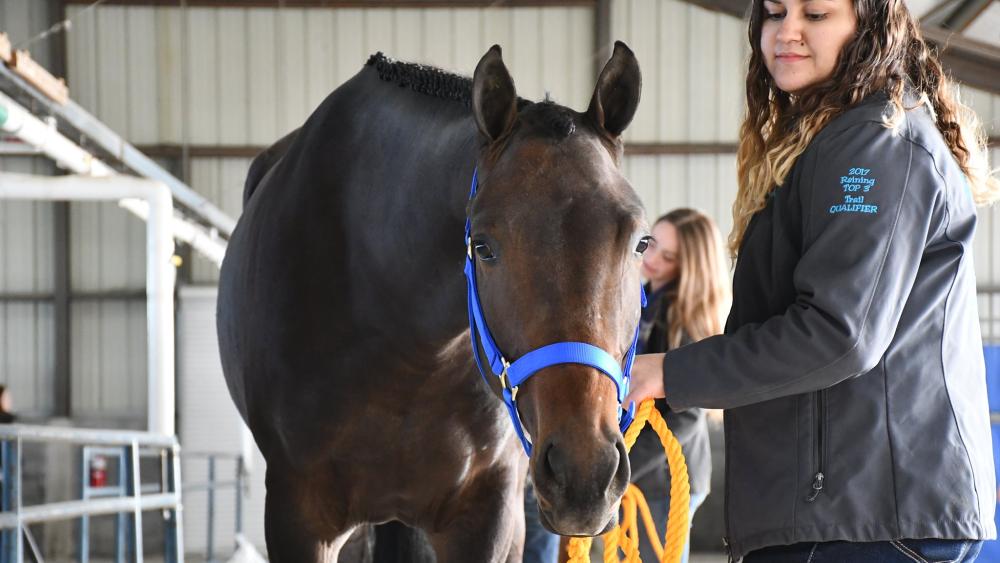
[687, 288]
[851, 369]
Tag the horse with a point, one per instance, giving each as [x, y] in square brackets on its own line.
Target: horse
[343, 322]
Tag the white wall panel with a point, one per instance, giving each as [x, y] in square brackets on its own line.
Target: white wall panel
[142, 83]
[23, 21]
[107, 248]
[26, 243]
[705, 182]
[263, 94]
[210, 423]
[250, 75]
[692, 62]
[108, 359]
[26, 266]
[202, 57]
[234, 78]
[171, 91]
[26, 359]
[220, 180]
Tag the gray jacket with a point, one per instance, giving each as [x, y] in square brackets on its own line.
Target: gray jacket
[851, 370]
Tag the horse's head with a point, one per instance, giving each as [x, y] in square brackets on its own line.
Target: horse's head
[555, 234]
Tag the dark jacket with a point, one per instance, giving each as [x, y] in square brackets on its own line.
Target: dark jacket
[851, 370]
[647, 459]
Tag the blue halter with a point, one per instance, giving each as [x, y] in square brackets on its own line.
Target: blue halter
[514, 374]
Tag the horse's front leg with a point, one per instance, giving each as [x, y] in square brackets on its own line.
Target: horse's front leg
[486, 523]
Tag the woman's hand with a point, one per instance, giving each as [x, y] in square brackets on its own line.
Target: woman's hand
[647, 379]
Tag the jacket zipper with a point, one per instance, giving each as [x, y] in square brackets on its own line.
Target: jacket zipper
[818, 478]
[728, 525]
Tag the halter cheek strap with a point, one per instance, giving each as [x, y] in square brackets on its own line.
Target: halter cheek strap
[512, 375]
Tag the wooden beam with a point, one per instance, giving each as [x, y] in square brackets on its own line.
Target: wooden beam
[249, 151]
[39, 77]
[346, 3]
[174, 151]
[6, 54]
[645, 149]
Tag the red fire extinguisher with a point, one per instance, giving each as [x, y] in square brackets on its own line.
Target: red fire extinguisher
[98, 471]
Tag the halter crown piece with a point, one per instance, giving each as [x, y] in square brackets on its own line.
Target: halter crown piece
[514, 374]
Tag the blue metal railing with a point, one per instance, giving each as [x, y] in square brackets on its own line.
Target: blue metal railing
[128, 499]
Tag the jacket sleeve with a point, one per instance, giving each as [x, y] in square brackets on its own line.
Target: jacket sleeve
[867, 209]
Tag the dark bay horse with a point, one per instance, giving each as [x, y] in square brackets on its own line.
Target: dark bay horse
[342, 309]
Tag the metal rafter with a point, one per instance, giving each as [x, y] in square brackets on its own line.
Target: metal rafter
[965, 13]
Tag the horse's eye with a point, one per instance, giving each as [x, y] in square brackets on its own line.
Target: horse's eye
[483, 251]
[643, 244]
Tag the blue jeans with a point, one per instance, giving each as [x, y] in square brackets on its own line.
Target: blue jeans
[897, 551]
[659, 508]
[542, 546]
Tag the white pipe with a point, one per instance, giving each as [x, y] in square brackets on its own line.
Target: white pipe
[20, 122]
[35, 132]
[160, 272]
[209, 244]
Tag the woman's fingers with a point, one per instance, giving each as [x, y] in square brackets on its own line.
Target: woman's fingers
[647, 378]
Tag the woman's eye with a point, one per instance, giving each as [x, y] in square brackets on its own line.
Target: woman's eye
[483, 251]
[643, 244]
[774, 16]
[816, 17]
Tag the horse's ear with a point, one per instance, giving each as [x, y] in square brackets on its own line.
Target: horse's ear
[616, 95]
[494, 101]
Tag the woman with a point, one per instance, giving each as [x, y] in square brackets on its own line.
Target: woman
[851, 369]
[688, 296]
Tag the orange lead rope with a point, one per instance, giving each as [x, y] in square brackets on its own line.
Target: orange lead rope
[626, 536]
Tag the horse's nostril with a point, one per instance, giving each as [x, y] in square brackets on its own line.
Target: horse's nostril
[555, 464]
[624, 472]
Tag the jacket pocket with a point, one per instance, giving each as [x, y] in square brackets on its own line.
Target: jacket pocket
[819, 446]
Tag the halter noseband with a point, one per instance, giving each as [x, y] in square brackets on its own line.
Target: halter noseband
[512, 375]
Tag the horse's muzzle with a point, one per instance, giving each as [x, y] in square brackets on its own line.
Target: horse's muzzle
[580, 484]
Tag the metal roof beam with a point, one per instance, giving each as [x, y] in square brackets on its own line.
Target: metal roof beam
[965, 13]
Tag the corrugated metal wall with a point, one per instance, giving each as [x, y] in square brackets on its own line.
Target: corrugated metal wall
[26, 265]
[245, 76]
[692, 68]
[26, 327]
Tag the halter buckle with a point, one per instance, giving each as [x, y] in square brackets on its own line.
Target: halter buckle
[505, 379]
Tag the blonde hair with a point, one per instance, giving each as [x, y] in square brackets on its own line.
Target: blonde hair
[887, 54]
[702, 292]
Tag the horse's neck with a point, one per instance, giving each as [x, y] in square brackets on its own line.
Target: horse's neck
[409, 219]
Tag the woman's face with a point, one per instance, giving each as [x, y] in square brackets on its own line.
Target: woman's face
[659, 262]
[802, 39]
